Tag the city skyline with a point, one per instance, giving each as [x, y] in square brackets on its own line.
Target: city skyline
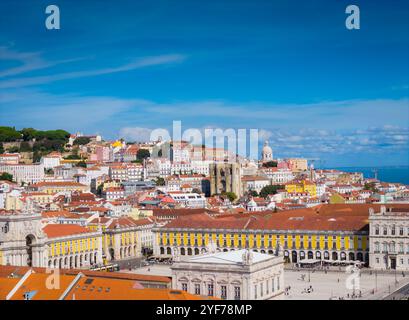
[291, 70]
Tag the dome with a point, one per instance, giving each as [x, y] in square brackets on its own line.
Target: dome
[267, 148]
[267, 153]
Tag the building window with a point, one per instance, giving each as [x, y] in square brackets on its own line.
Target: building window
[255, 291]
[278, 283]
[237, 293]
[385, 231]
[272, 285]
[393, 230]
[266, 286]
[392, 247]
[184, 286]
[197, 288]
[377, 260]
[261, 289]
[210, 289]
[401, 231]
[377, 230]
[385, 247]
[223, 292]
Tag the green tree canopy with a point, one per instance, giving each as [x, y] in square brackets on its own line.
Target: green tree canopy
[6, 176]
[370, 186]
[81, 164]
[142, 154]
[72, 157]
[230, 195]
[8, 134]
[13, 149]
[253, 193]
[81, 141]
[30, 133]
[25, 147]
[160, 181]
[270, 164]
[272, 189]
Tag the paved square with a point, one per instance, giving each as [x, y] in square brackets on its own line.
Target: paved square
[335, 285]
[324, 285]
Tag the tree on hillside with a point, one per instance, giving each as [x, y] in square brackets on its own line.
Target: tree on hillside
[142, 154]
[270, 164]
[1, 147]
[6, 176]
[160, 181]
[9, 134]
[25, 147]
[99, 189]
[253, 193]
[230, 195]
[81, 164]
[13, 149]
[370, 186]
[81, 141]
[272, 189]
[28, 134]
[73, 157]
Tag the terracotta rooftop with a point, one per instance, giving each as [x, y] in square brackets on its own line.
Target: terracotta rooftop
[91, 288]
[351, 217]
[62, 230]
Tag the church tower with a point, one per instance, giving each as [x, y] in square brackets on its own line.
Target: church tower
[267, 154]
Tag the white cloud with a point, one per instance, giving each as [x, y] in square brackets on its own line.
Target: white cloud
[135, 64]
[29, 61]
[137, 134]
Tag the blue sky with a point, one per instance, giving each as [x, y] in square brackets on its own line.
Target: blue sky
[288, 68]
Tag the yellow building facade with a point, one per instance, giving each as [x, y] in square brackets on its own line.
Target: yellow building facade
[75, 251]
[302, 187]
[296, 245]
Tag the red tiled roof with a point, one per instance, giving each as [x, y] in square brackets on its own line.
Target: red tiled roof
[351, 217]
[62, 230]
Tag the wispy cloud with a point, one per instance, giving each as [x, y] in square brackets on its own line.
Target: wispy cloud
[29, 61]
[139, 134]
[311, 142]
[31, 108]
[33, 62]
[346, 114]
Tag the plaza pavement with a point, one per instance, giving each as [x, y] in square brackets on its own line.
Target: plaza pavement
[330, 285]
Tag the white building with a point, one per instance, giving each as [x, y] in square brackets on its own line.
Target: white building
[201, 167]
[9, 158]
[189, 200]
[389, 238]
[5, 188]
[181, 168]
[232, 275]
[278, 175]
[127, 172]
[51, 160]
[254, 183]
[27, 173]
